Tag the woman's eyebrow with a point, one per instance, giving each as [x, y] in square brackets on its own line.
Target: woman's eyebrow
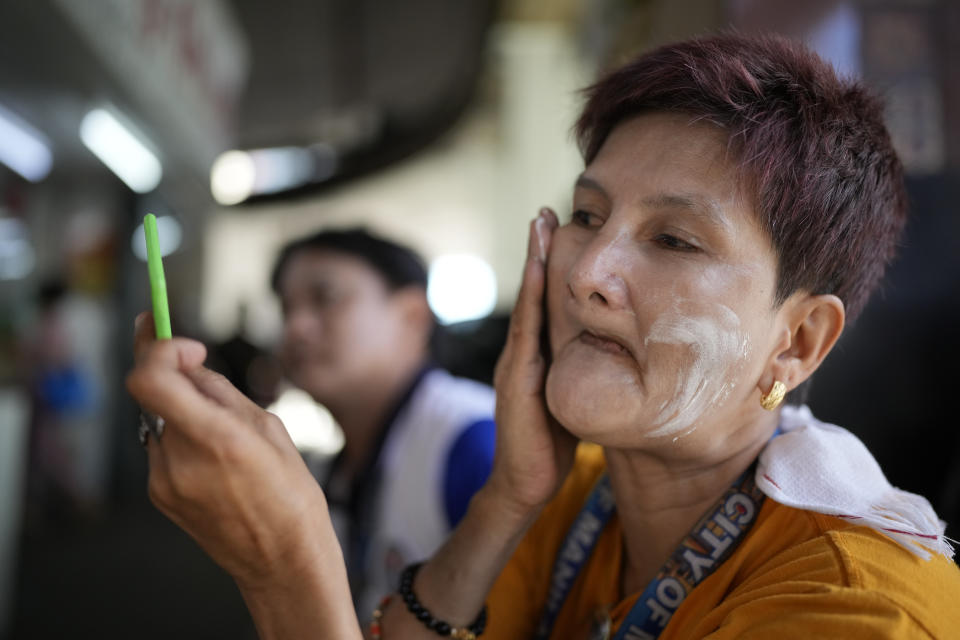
[322, 283]
[705, 208]
[700, 206]
[583, 182]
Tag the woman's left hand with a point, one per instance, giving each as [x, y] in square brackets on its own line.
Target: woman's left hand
[534, 453]
[228, 474]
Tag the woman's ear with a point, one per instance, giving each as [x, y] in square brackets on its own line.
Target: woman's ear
[812, 325]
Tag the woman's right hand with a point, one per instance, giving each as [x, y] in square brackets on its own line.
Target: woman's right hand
[533, 452]
[229, 475]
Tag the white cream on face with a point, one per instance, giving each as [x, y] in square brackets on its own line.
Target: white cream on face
[715, 344]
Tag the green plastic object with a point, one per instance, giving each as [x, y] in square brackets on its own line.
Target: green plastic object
[158, 283]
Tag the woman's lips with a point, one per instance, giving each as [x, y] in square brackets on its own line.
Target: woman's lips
[604, 344]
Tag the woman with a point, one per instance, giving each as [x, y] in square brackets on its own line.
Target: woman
[738, 205]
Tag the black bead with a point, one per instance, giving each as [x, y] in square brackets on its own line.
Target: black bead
[481, 622]
[423, 614]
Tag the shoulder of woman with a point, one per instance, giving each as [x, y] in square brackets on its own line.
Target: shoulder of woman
[873, 579]
[926, 587]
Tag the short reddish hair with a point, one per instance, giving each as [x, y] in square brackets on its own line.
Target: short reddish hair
[827, 184]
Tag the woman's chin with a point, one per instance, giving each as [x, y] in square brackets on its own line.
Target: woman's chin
[595, 410]
[319, 384]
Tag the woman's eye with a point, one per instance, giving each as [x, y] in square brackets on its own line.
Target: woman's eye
[584, 218]
[674, 243]
[323, 299]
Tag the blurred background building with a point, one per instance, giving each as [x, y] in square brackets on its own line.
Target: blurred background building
[443, 124]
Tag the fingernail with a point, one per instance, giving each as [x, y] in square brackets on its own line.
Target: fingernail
[195, 350]
[549, 216]
[541, 229]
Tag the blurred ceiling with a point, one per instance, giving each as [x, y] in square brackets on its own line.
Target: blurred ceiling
[373, 79]
[315, 65]
[49, 78]
[369, 79]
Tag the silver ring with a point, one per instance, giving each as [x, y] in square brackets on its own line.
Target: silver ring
[150, 424]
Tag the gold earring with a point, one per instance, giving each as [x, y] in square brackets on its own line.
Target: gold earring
[772, 400]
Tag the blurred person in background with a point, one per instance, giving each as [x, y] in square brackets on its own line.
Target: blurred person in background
[65, 471]
[418, 441]
[738, 206]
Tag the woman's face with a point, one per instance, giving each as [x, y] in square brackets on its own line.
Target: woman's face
[660, 289]
[341, 325]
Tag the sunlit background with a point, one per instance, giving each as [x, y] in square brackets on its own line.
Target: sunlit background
[445, 125]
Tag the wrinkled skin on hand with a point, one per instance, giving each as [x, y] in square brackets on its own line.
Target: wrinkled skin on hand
[533, 452]
[225, 470]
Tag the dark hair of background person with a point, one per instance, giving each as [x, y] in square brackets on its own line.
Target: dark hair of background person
[398, 266]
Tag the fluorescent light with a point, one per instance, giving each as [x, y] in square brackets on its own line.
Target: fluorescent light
[232, 177]
[121, 151]
[23, 148]
[169, 232]
[282, 168]
[460, 288]
[237, 175]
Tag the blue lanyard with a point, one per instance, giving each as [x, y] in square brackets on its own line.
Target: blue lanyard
[711, 541]
[576, 549]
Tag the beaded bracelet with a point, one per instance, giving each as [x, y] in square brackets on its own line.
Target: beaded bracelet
[440, 627]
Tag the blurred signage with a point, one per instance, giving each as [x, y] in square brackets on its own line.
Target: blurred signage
[184, 62]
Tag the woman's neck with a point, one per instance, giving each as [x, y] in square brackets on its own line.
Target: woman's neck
[660, 498]
[362, 416]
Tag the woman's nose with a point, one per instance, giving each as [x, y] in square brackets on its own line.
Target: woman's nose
[598, 275]
[299, 324]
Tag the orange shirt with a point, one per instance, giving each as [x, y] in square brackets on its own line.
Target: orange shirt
[796, 574]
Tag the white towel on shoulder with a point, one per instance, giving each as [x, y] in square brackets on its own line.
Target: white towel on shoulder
[824, 468]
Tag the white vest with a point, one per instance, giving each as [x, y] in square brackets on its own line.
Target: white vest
[409, 519]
